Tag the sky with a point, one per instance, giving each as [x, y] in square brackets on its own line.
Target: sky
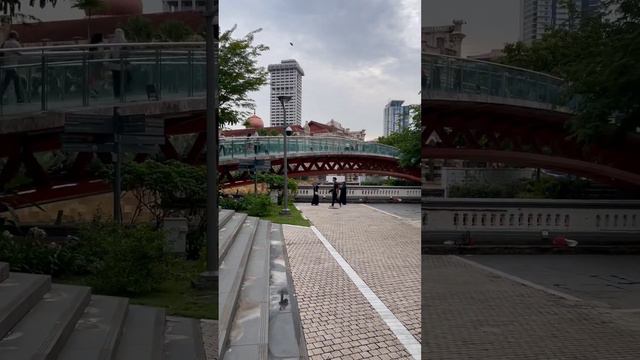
[356, 54]
[490, 23]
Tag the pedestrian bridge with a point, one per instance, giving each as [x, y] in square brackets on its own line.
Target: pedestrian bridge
[480, 111]
[310, 156]
[78, 77]
[162, 80]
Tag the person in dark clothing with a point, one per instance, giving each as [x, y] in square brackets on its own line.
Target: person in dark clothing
[10, 60]
[316, 199]
[343, 194]
[95, 67]
[334, 192]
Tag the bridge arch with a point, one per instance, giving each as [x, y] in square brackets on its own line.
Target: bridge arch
[474, 110]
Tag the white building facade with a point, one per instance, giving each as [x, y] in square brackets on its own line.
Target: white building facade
[396, 117]
[538, 16]
[286, 79]
[183, 5]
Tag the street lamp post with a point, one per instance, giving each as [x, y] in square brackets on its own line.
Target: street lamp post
[256, 144]
[285, 201]
[209, 278]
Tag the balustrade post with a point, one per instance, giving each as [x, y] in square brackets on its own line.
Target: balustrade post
[44, 80]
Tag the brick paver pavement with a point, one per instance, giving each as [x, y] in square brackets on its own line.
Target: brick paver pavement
[470, 313]
[338, 321]
[382, 249]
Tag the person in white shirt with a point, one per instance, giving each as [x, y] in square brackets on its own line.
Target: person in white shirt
[10, 60]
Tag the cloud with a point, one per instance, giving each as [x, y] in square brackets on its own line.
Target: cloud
[356, 54]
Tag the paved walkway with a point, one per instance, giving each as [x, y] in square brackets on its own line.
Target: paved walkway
[471, 313]
[384, 252]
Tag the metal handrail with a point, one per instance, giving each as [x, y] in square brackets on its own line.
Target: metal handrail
[59, 48]
[72, 75]
[248, 148]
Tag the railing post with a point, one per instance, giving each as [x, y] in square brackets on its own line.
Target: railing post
[122, 76]
[159, 73]
[190, 63]
[44, 81]
[85, 75]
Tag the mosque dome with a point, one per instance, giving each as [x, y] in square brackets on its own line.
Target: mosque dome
[121, 7]
[255, 122]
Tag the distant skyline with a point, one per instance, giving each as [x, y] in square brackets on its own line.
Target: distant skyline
[490, 23]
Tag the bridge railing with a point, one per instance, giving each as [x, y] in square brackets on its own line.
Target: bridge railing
[57, 77]
[266, 146]
[460, 76]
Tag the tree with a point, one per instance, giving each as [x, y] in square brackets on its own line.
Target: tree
[10, 10]
[89, 7]
[174, 31]
[138, 29]
[598, 58]
[408, 141]
[239, 75]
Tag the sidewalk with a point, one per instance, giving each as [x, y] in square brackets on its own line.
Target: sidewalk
[470, 313]
[338, 320]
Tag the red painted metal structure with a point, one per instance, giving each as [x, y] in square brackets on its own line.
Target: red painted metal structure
[22, 149]
[522, 136]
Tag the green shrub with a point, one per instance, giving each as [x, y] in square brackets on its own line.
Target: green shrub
[257, 205]
[123, 261]
[39, 256]
[232, 204]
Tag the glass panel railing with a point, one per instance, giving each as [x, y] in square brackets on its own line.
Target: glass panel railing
[58, 77]
[248, 148]
[467, 76]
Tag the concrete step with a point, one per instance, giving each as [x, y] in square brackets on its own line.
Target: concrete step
[183, 339]
[43, 332]
[97, 333]
[228, 233]
[143, 334]
[4, 271]
[224, 216]
[18, 294]
[286, 339]
[231, 272]
[249, 334]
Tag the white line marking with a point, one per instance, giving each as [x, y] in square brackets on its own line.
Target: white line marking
[401, 332]
[384, 212]
[519, 280]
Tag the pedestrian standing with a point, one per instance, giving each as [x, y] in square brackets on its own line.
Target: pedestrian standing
[343, 193]
[95, 66]
[116, 71]
[334, 192]
[10, 62]
[316, 198]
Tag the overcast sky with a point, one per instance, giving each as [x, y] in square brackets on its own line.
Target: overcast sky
[490, 23]
[357, 54]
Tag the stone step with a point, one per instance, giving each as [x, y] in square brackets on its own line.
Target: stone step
[228, 233]
[224, 216]
[143, 334]
[18, 294]
[183, 339]
[43, 332]
[231, 273]
[97, 333]
[286, 339]
[249, 335]
[4, 271]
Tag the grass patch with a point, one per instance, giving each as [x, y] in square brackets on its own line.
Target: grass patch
[175, 293]
[295, 217]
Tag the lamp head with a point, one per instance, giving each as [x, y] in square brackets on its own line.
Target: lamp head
[288, 131]
[284, 98]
